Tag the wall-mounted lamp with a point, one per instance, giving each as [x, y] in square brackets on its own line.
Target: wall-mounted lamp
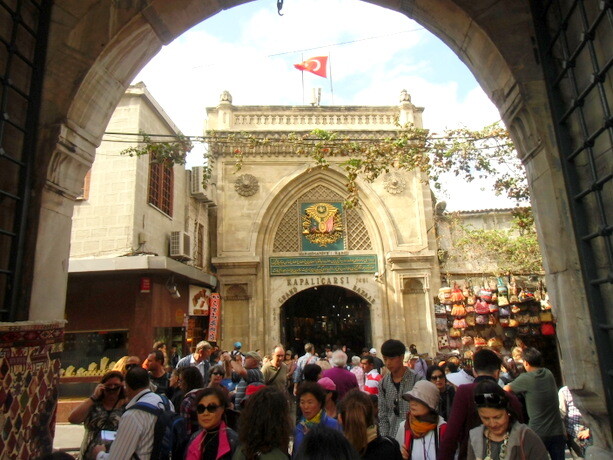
[172, 288]
[378, 277]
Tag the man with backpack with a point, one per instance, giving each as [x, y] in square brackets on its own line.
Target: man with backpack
[307, 358]
[135, 436]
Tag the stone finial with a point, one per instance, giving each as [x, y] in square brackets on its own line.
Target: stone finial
[405, 96]
[225, 97]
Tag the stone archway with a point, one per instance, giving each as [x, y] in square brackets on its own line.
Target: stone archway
[95, 47]
[326, 315]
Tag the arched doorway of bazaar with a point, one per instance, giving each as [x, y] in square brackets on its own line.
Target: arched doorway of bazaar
[326, 315]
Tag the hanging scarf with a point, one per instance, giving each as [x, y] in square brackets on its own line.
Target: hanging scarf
[422, 427]
[313, 422]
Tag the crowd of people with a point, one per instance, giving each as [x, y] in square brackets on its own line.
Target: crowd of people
[332, 405]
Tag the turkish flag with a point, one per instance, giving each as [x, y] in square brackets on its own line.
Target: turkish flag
[317, 65]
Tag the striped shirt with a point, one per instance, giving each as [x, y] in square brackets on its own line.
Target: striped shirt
[135, 431]
[372, 380]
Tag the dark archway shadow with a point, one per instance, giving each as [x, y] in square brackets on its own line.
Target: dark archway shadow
[326, 316]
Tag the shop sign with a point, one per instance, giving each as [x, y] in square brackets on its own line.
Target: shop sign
[199, 300]
[215, 304]
[322, 265]
[145, 285]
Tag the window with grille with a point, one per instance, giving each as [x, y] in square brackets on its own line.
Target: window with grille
[160, 187]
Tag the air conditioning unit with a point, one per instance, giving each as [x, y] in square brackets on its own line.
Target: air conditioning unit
[206, 195]
[180, 245]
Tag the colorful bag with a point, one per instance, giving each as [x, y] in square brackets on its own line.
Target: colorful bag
[494, 342]
[546, 316]
[502, 288]
[548, 329]
[456, 294]
[504, 322]
[492, 307]
[504, 311]
[485, 294]
[441, 324]
[534, 319]
[482, 319]
[513, 322]
[467, 340]
[470, 308]
[470, 319]
[481, 307]
[455, 343]
[458, 310]
[440, 309]
[526, 296]
[523, 319]
[443, 341]
[492, 320]
[460, 323]
[513, 298]
[444, 294]
[455, 333]
[480, 342]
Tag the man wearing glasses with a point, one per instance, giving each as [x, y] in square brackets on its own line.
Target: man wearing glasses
[275, 370]
[400, 379]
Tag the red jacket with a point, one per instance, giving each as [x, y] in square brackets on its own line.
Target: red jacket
[464, 417]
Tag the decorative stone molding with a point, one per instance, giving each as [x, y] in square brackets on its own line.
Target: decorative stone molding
[394, 183]
[72, 158]
[246, 185]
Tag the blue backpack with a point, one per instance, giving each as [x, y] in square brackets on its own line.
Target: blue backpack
[169, 435]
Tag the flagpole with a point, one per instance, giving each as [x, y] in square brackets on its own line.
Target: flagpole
[331, 87]
[302, 76]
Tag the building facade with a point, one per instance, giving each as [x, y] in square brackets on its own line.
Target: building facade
[294, 262]
[139, 246]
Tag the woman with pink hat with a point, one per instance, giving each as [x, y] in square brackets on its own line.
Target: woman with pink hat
[331, 396]
[420, 434]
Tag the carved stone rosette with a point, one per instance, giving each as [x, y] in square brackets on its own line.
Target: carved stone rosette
[246, 185]
[394, 183]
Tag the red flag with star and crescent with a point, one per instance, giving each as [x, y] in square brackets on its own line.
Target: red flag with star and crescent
[317, 65]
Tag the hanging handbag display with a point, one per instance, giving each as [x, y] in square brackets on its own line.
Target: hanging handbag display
[444, 295]
[470, 319]
[547, 329]
[546, 316]
[480, 342]
[504, 322]
[456, 295]
[504, 311]
[467, 340]
[494, 342]
[458, 310]
[482, 320]
[481, 307]
[459, 323]
[440, 309]
[492, 307]
[443, 341]
[441, 324]
[453, 332]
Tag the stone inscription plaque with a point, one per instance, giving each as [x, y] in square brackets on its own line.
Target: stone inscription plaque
[322, 265]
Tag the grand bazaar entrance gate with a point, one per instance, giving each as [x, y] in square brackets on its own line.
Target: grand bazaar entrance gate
[326, 315]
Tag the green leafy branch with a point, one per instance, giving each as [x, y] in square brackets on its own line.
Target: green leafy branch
[168, 153]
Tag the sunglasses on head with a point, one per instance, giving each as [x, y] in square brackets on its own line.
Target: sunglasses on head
[131, 366]
[200, 408]
[491, 400]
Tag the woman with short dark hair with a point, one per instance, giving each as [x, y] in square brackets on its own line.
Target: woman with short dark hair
[312, 400]
[436, 375]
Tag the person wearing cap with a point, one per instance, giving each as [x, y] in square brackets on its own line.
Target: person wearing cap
[500, 436]
[249, 372]
[420, 434]
[416, 362]
[464, 416]
[237, 350]
[339, 374]
[378, 361]
[275, 370]
[331, 395]
[399, 380]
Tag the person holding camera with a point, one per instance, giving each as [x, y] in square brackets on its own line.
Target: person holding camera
[100, 413]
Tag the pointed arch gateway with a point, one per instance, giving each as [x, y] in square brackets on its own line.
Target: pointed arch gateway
[325, 306]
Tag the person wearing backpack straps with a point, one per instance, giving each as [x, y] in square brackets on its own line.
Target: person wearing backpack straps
[135, 433]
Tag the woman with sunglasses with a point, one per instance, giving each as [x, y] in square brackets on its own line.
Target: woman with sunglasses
[215, 440]
[436, 375]
[100, 412]
[216, 376]
[501, 436]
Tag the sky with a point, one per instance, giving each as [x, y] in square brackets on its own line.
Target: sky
[374, 53]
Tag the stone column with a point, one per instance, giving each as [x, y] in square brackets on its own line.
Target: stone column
[71, 159]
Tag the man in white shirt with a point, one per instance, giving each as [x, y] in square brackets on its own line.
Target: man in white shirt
[199, 358]
[136, 427]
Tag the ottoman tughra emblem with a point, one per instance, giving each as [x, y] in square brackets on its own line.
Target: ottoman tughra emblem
[394, 183]
[246, 185]
[322, 224]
